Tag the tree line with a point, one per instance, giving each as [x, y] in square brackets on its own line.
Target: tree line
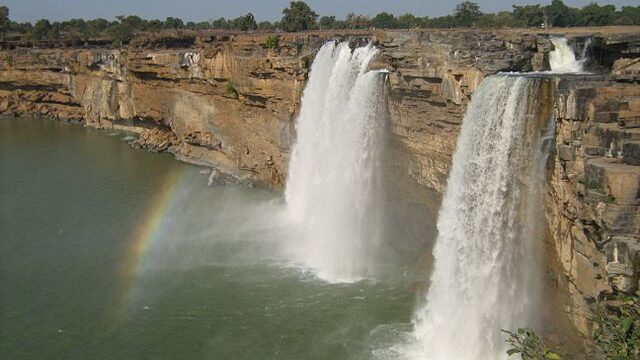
[300, 17]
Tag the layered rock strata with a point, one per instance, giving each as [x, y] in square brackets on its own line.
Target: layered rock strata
[594, 191]
[229, 102]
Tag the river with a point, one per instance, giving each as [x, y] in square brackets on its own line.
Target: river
[115, 253]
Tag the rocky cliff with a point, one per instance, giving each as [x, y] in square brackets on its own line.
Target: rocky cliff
[230, 102]
[226, 102]
[594, 190]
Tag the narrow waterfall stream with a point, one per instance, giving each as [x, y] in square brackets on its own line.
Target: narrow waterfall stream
[563, 58]
[485, 277]
[333, 190]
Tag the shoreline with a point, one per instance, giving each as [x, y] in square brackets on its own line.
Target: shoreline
[223, 174]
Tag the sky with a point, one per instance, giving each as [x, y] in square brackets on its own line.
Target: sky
[201, 10]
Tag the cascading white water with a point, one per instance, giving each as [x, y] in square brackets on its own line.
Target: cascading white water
[485, 277]
[333, 189]
[563, 59]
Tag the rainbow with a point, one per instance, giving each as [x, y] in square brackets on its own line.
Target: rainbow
[141, 240]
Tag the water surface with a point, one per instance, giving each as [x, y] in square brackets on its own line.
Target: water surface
[114, 253]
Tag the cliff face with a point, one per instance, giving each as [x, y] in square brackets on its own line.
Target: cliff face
[230, 102]
[432, 76]
[594, 191]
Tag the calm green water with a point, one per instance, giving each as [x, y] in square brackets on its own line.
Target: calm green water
[112, 253]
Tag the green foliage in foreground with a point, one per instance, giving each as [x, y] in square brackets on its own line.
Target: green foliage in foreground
[617, 336]
[530, 347]
[618, 332]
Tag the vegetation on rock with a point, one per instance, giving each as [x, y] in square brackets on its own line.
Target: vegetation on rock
[230, 89]
[272, 41]
[618, 333]
[529, 346]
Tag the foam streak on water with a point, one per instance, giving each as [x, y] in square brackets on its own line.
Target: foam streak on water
[484, 278]
[333, 190]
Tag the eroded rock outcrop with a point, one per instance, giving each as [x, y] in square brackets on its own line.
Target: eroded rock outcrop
[229, 102]
[594, 191]
[246, 96]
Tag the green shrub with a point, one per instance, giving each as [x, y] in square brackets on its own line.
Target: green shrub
[230, 89]
[272, 41]
[618, 331]
[530, 347]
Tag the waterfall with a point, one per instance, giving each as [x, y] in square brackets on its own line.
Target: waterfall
[563, 58]
[485, 277]
[333, 190]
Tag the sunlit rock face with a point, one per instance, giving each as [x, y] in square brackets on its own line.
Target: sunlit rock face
[594, 191]
[230, 102]
[247, 95]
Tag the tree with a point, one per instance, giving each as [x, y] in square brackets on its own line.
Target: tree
[629, 16]
[529, 15]
[99, 24]
[467, 13]
[442, 22]
[560, 14]
[503, 19]
[4, 13]
[5, 23]
[153, 25]
[133, 21]
[384, 20]
[407, 21]
[173, 23]
[596, 15]
[221, 23]
[487, 21]
[76, 27]
[245, 23]
[41, 29]
[298, 17]
[265, 25]
[327, 22]
[120, 31]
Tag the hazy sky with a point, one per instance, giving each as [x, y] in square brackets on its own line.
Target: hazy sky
[199, 10]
